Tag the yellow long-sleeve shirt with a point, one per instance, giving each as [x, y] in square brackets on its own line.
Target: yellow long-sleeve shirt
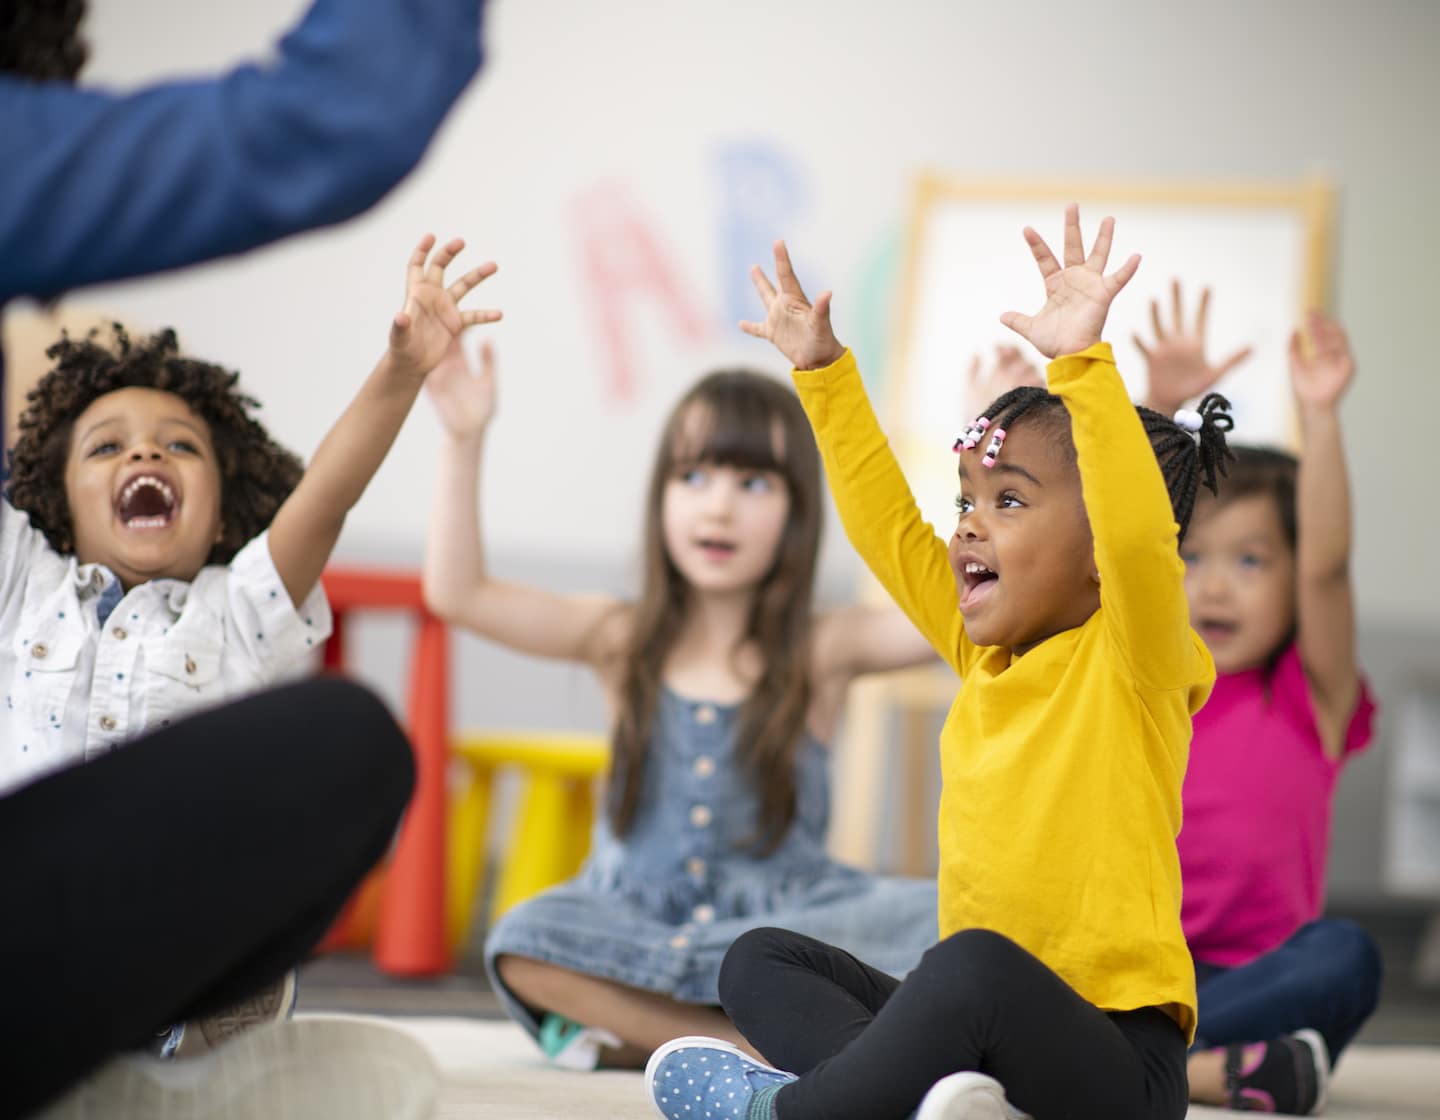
[1062, 768]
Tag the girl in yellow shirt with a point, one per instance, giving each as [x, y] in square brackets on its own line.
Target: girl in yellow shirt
[1061, 976]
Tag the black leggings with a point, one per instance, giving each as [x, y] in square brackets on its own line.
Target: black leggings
[183, 872]
[868, 1046]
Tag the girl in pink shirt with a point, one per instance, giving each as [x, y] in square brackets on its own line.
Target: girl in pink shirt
[1282, 991]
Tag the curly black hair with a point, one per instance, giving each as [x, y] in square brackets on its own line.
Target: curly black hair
[1185, 462]
[256, 473]
[40, 39]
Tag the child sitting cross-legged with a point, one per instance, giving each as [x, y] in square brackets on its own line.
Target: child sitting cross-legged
[1061, 985]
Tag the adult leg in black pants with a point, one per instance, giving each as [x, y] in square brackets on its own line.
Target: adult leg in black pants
[183, 872]
[869, 1046]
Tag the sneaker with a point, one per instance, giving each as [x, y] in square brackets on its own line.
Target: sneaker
[269, 1005]
[968, 1096]
[303, 1069]
[570, 1045]
[1287, 1075]
[688, 1077]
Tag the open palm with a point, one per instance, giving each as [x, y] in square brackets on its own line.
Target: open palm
[800, 330]
[1323, 374]
[464, 397]
[432, 319]
[1178, 368]
[1077, 296]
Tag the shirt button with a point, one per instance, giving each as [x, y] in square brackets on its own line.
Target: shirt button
[704, 766]
[40, 650]
[703, 913]
[700, 816]
[679, 941]
[705, 713]
[107, 723]
[189, 665]
[119, 633]
[695, 866]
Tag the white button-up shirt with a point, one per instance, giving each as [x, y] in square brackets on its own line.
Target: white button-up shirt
[77, 684]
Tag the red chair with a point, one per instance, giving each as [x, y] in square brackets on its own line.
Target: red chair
[410, 925]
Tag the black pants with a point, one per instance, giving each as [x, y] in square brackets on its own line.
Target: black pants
[184, 872]
[868, 1046]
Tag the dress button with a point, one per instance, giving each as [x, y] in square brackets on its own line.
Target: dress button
[700, 816]
[704, 766]
[703, 913]
[40, 650]
[679, 941]
[705, 713]
[119, 633]
[107, 723]
[695, 866]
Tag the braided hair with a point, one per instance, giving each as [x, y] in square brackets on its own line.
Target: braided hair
[1184, 462]
[256, 473]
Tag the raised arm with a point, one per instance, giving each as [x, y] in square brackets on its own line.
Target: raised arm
[98, 186]
[1142, 580]
[457, 586]
[874, 500]
[308, 524]
[1321, 373]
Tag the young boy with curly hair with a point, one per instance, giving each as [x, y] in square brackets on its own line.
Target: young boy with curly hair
[164, 553]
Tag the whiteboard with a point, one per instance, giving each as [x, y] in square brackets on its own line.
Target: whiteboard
[1262, 251]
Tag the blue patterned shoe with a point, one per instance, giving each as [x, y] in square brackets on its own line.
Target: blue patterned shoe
[694, 1078]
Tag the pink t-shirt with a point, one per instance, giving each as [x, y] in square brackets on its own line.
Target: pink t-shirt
[1256, 829]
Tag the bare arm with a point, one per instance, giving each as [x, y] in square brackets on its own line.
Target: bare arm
[307, 526]
[457, 586]
[1326, 601]
[853, 641]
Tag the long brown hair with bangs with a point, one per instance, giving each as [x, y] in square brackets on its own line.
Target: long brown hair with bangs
[753, 422]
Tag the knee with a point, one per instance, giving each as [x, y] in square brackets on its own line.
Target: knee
[971, 962]
[1352, 959]
[746, 958]
[368, 755]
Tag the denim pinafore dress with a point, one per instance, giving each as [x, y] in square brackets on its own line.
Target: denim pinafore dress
[658, 908]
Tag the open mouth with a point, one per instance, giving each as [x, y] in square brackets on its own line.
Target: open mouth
[716, 549]
[1216, 629]
[146, 502]
[979, 581]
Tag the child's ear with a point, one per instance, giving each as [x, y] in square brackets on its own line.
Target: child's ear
[1095, 575]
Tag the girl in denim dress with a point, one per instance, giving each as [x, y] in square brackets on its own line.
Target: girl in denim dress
[724, 685]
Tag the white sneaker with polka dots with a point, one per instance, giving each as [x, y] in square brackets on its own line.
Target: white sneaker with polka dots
[968, 1096]
[697, 1078]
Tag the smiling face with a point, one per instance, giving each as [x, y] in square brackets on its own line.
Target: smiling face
[1022, 552]
[143, 486]
[722, 524]
[1240, 580]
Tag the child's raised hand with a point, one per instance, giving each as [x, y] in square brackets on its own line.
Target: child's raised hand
[1010, 371]
[1322, 375]
[1077, 296]
[1178, 369]
[801, 331]
[464, 397]
[431, 319]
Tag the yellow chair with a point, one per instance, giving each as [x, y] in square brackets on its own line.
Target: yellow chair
[550, 836]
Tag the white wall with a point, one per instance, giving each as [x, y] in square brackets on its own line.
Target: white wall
[850, 98]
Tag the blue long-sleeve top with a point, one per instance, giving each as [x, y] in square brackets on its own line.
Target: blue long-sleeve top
[96, 186]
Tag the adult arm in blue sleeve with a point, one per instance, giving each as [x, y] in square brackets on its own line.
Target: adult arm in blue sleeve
[97, 186]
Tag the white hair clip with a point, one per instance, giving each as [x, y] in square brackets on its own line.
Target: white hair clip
[1189, 419]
